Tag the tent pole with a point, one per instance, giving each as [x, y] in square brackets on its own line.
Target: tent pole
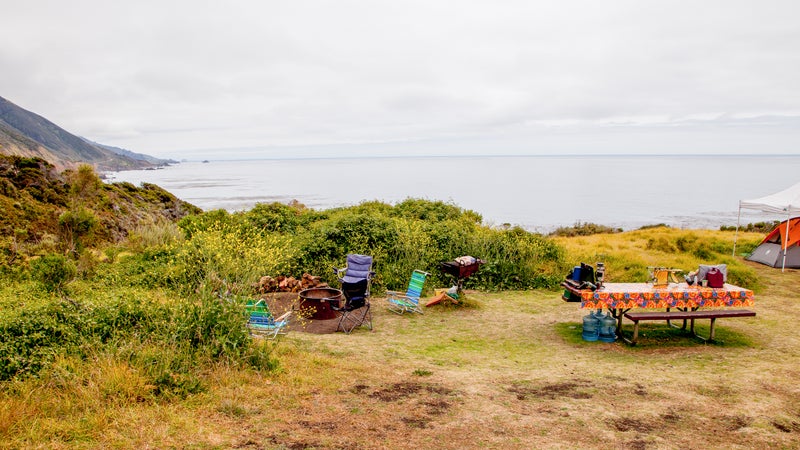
[736, 235]
[786, 240]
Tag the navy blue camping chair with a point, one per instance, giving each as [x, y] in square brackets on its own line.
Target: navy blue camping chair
[355, 280]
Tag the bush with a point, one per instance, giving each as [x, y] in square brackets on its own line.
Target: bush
[170, 342]
[32, 339]
[516, 259]
[275, 217]
[584, 229]
[53, 271]
[757, 227]
[222, 258]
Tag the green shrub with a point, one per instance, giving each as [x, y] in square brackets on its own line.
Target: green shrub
[516, 259]
[198, 222]
[225, 257]
[660, 244]
[584, 229]
[275, 217]
[32, 338]
[53, 271]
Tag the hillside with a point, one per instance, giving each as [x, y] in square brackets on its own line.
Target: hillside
[27, 134]
[46, 210]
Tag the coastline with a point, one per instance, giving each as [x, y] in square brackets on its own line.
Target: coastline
[538, 193]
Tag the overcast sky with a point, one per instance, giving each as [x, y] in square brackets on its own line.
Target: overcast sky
[308, 78]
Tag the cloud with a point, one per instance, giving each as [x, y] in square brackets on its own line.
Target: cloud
[167, 77]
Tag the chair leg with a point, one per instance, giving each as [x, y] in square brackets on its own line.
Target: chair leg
[368, 316]
[350, 320]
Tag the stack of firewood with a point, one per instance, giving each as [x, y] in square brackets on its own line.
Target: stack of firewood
[288, 284]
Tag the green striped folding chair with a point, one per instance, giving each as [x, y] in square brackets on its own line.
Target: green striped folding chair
[261, 321]
[409, 301]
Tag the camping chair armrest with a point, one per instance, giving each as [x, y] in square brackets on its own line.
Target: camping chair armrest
[400, 296]
[284, 316]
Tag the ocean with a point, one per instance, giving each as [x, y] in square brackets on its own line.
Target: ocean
[538, 193]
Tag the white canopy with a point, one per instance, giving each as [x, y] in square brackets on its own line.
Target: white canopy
[786, 201]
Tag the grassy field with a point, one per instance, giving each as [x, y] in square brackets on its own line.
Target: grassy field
[508, 371]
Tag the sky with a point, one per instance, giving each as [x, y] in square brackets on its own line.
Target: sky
[300, 78]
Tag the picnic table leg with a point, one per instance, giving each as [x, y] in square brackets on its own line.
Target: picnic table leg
[669, 322]
[635, 332]
[617, 313]
[711, 331]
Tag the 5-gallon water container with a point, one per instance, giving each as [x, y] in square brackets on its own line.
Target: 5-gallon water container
[576, 273]
[591, 327]
[608, 328]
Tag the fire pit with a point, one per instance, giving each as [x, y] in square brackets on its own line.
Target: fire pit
[320, 300]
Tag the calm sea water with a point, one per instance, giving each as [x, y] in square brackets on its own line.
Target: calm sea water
[538, 193]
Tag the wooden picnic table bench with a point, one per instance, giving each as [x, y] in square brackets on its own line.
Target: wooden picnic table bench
[712, 314]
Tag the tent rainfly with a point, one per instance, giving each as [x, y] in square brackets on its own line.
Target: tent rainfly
[786, 202]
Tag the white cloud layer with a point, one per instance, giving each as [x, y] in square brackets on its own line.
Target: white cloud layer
[306, 78]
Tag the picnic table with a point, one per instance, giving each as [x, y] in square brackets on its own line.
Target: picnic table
[620, 298]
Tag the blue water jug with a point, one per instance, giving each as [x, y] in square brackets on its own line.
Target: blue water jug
[608, 328]
[591, 327]
[576, 273]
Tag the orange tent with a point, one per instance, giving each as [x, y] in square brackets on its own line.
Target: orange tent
[778, 235]
[782, 238]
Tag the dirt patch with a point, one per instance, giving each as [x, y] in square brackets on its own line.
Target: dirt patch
[280, 302]
[436, 407]
[552, 391]
[670, 417]
[733, 423]
[629, 424]
[399, 391]
[786, 427]
[317, 426]
[359, 388]
[415, 422]
[637, 444]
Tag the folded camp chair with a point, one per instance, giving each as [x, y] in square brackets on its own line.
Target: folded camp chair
[355, 278]
[408, 302]
[261, 322]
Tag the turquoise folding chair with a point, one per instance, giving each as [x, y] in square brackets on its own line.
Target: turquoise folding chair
[409, 301]
[261, 321]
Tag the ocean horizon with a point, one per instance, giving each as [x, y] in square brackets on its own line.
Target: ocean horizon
[535, 192]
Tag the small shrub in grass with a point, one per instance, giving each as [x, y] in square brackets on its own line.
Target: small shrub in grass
[259, 356]
[660, 244]
[170, 369]
[53, 271]
[212, 326]
[584, 229]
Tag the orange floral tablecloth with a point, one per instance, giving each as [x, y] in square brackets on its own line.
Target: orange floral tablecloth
[676, 295]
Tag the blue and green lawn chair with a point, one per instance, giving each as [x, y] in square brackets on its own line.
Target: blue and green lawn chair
[261, 322]
[409, 301]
